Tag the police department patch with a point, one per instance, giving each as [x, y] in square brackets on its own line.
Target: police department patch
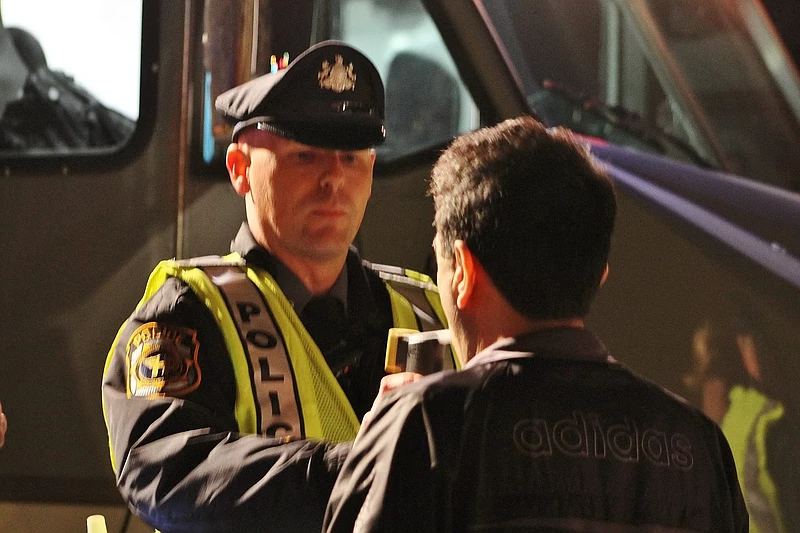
[162, 361]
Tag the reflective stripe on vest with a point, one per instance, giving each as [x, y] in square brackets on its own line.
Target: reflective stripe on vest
[745, 425]
[284, 387]
[273, 376]
[245, 410]
[323, 411]
[403, 315]
[415, 303]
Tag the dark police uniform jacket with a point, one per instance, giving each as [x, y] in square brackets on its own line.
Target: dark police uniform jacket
[205, 434]
[542, 433]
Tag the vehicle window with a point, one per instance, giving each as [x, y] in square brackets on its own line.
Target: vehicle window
[703, 290]
[69, 75]
[679, 77]
[427, 104]
[426, 101]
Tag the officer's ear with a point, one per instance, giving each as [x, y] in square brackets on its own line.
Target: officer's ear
[238, 164]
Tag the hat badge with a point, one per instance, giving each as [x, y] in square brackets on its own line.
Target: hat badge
[337, 77]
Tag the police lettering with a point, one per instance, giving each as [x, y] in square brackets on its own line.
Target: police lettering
[262, 339]
[270, 368]
[266, 375]
[261, 344]
[273, 429]
[154, 332]
[582, 435]
[246, 310]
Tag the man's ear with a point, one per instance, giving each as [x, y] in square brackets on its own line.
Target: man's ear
[238, 164]
[605, 276]
[464, 275]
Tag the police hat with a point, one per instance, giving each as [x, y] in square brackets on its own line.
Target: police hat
[330, 96]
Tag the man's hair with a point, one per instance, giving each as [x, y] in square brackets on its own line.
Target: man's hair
[534, 208]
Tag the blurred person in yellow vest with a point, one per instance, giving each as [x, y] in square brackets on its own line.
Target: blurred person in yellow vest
[741, 380]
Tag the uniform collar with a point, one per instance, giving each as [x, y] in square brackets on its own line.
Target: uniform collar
[563, 343]
[291, 286]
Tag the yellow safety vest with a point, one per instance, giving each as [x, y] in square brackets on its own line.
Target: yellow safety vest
[284, 387]
[745, 425]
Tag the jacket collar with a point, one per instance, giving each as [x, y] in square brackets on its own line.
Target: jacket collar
[563, 343]
[294, 290]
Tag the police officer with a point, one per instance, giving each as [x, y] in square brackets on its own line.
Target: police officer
[233, 390]
[759, 423]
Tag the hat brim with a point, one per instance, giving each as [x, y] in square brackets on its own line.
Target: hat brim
[342, 133]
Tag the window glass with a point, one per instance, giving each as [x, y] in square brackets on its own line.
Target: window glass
[426, 101]
[680, 77]
[69, 75]
[703, 290]
[427, 104]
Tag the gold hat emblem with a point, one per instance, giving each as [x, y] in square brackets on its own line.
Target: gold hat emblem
[337, 77]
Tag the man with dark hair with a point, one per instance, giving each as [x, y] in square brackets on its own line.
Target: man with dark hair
[542, 430]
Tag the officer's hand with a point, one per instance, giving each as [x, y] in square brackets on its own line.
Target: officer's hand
[3, 426]
[389, 383]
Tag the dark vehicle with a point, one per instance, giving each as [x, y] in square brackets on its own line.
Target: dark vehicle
[693, 106]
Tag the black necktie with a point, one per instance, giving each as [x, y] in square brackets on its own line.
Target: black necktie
[324, 318]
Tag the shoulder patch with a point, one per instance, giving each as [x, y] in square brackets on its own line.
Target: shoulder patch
[162, 361]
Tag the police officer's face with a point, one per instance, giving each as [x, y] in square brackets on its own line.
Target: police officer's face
[309, 202]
